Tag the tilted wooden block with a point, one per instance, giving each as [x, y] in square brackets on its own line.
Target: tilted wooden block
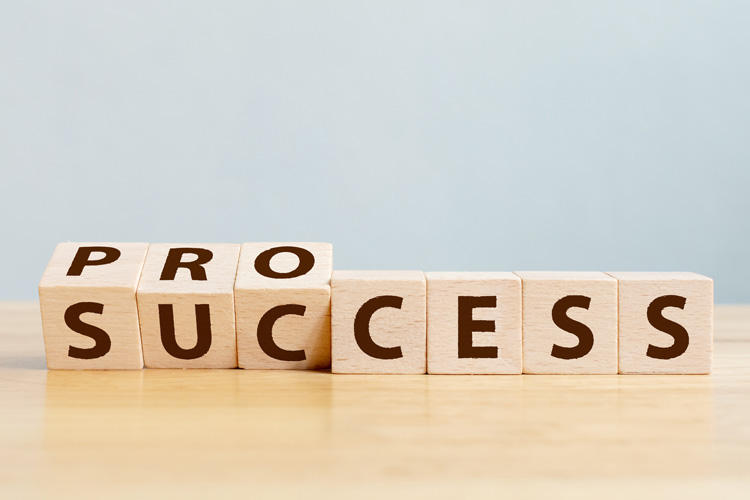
[569, 322]
[666, 322]
[282, 300]
[474, 323]
[186, 306]
[378, 322]
[89, 312]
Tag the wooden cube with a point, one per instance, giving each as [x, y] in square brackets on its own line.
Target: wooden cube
[89, 311]
[282, 299]
[378, 322]
[666, 322]
[569, 322]
[474, 323]
[186, 306]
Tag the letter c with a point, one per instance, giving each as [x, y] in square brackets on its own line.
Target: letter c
[362, 327]
[265, 333]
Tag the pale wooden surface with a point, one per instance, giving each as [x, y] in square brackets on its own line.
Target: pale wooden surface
[282, 434]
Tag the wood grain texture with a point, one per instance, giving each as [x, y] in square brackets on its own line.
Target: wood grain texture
[636, 292]
[443, 292]
[311, 434]
[113, 285]
[389, 327]
[183, 293]
[255, 295]
[541, 291]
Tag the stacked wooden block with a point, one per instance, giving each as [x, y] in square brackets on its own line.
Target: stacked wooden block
[281, 306]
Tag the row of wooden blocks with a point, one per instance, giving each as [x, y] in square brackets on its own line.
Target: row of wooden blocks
[281, 306]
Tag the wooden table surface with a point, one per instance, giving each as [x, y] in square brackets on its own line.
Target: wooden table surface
[260, 434]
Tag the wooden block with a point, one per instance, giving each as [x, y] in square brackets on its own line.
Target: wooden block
[474, 323]
[666, 322]
[89, 312]
[186, 306]
[569, 322]
[282, 300]
[378, 322]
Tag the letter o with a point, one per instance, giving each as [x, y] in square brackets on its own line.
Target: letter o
[263, 262]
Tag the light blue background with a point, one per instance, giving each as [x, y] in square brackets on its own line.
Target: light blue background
[431, 135]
